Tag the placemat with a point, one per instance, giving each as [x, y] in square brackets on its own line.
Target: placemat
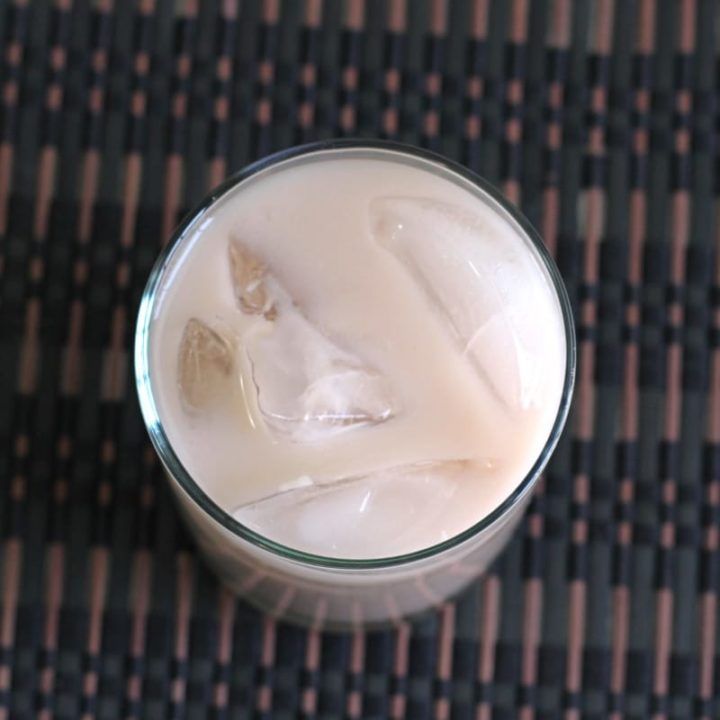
[598, 117]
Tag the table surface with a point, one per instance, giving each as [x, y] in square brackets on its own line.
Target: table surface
[599, 118]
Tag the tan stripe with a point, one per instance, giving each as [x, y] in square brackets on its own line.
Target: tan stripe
[489, 625]
[221, 106]
[6, 169]
[347, 118]
[551, 218]
[45, 184]
[267, 656]
[479, 19]
[446, 643]
[392, 80]
[438, 17]
[585, 392]
[638, 213]
[114, 361]
[30, 349]
[11, 91]
[511, 189]
[140, 600]
[264, 111]
[680, 233]
[308, 700]
[560, 26]
[357, 663]
[712, 533]
[131, 193]
[350, 77]
[226, 619]
[267, 659]
[217, 171]
[473, 127]
[713, 432]
[306, 115]
[673, 399]
[313, 13]
[686, 39]
[576, 635]
[595, 205]
[706, 651]
[641, 137]
[400, 668]
[308, 75]
[396, 16]
[604, 11]
[173, 187]
[474, 88]
[663, 641]
[519, 21]
[88, 192]
[630, 414]
[532, 621]
[230, 9]
[354, 14]
[264, 699]
[55, 568]
[99, 569]
[621, 622]
[99, 64]
[10, 591]
[184, 589]
[271, 11]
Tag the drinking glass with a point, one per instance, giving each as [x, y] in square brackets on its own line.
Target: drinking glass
[329, 591]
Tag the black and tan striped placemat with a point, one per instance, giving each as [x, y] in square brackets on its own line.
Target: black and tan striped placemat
[600, 118]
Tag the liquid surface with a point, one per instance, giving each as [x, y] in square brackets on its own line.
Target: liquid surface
[356, 357]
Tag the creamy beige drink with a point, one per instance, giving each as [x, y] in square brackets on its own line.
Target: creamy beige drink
[355, 355]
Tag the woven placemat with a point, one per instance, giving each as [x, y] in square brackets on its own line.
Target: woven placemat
[599, 118]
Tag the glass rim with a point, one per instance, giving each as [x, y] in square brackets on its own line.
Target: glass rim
[172, 462]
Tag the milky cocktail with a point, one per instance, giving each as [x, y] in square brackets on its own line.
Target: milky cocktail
[354, 362]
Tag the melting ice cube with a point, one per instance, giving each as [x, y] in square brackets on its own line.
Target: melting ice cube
[205, 363]
[481, 281]
[358, 516]
[308, 386]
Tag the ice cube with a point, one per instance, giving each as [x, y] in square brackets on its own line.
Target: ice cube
[205, 364]
[249, 278]
[481, 281]
[362, 515]
[309, 388]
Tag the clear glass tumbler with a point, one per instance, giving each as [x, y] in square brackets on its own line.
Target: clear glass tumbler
[326, 591]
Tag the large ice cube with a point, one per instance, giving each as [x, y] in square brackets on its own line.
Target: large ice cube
[479, 279]
[308, 387]
[205, 364]
[362, 515]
